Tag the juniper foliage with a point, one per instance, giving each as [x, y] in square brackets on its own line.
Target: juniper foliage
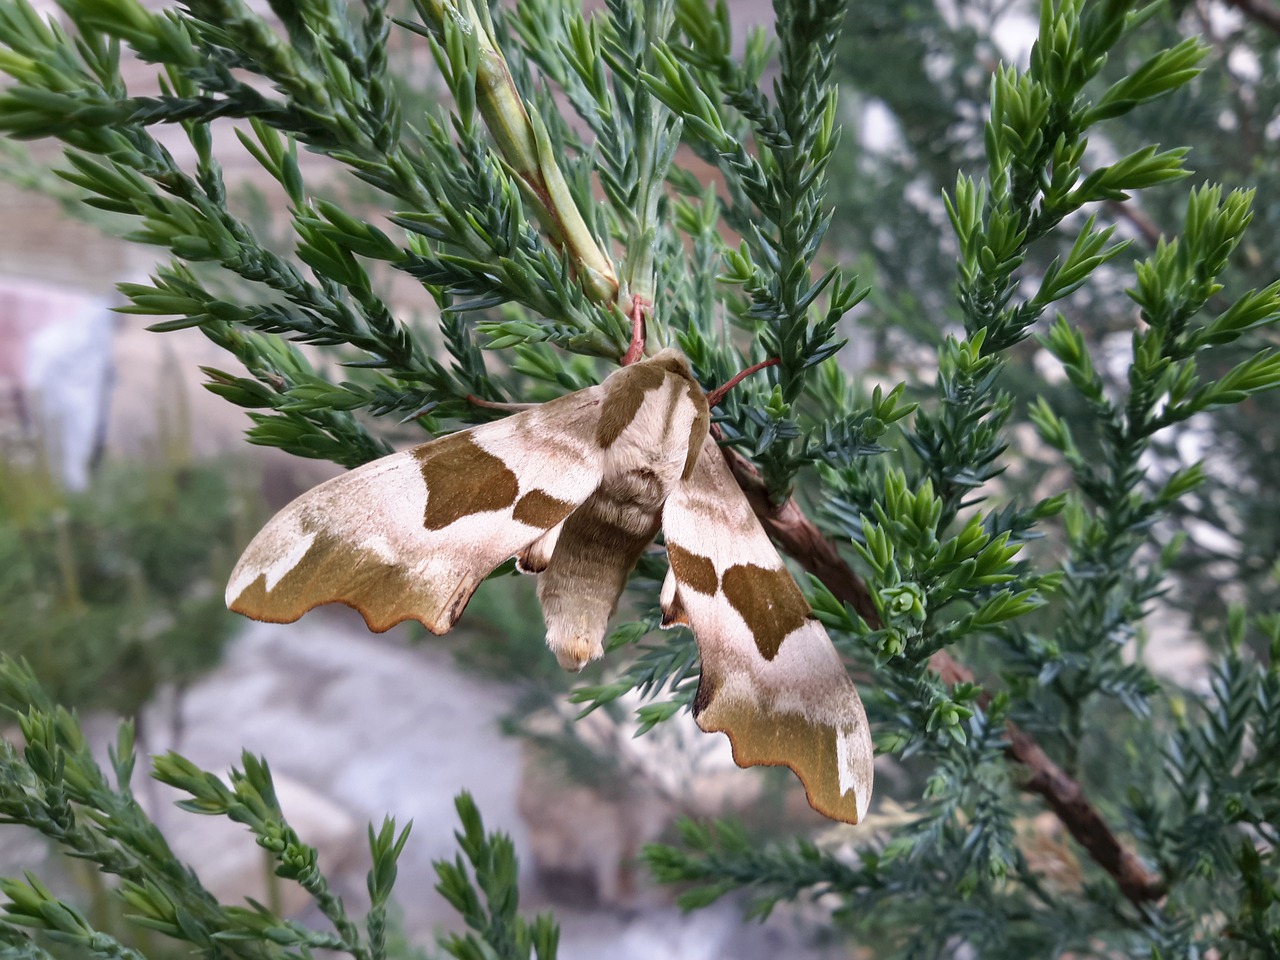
[53, 785]
[540, 236]
[108, 592]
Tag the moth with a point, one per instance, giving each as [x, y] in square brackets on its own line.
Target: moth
[576, 489]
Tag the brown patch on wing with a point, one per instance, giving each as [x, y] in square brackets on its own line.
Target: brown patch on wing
[626, 393]
[768, 600]
[778, 739]
[698, 429]
[462, 479]
[695, 572]
[336, 571]
[539, 509]
[707, 687]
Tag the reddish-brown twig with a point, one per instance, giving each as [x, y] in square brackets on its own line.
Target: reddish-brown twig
[715, 396]
[640, 308]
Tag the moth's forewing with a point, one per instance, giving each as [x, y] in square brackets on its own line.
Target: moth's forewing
[411, 535]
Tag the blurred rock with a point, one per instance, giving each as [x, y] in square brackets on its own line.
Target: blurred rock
[585, 839]
[588, 822]
[357, 725]
[55, 373]
[369, 726]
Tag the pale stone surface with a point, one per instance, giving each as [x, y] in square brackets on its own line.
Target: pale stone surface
[358, 726]
[55, 370]
[372, 726]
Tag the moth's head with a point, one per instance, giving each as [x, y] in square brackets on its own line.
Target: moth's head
[673, 361]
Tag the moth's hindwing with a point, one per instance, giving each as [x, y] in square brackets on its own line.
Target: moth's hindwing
[771, 678]
[411, 535]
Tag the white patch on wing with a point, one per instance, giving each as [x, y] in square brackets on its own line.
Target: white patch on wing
[558, 458]
[393, 511]
[848, 751]
[843, 760]
[805, 677]
[295, 544]
[380, 547]
[670, 589]
[288, 560]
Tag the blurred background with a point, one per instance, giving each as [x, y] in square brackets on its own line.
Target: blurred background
[126, 493]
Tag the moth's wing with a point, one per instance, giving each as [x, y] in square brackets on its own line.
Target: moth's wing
[411, 535]
[771, 678]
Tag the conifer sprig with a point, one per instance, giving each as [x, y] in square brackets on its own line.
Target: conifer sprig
[53, 785]
[489, 200]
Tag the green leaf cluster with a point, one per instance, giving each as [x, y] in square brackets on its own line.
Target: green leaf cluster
[544, 206]
[115, 591]
[52, 784]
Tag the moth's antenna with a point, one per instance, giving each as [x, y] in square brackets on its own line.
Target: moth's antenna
[639, 309]
[715, 396]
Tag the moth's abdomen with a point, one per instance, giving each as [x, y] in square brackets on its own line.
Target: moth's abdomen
[595, 553]
[652, 423]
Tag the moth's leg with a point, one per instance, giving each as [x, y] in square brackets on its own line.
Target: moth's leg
[536, 556]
